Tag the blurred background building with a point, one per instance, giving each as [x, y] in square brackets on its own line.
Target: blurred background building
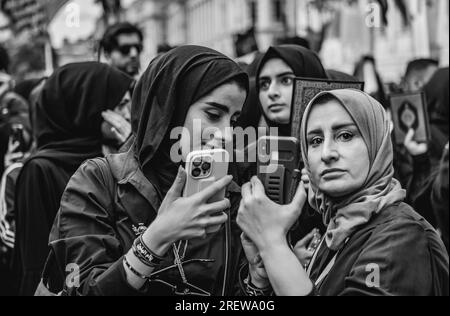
[393, 31]
[341, 31]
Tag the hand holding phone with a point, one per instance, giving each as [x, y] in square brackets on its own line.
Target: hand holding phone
[203, 168]
[305, 248]
[182, 218]
[278, 167]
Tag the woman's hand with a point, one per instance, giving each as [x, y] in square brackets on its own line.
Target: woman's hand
[414, 148]
[305, 179]
[187, 218]
[120, 127]
[301, 250]
[263, 221]
[12, 155]
[257, 270]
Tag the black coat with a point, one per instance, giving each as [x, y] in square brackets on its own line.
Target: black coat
[68, 132]
[406, 250]
[108, 203]
[439, 198]
[38, 192]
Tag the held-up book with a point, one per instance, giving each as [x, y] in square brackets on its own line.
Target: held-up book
[306, 89]
[409, 111]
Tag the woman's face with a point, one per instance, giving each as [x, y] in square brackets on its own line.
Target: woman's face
[337, 154]
[210, 120]
[276, 83]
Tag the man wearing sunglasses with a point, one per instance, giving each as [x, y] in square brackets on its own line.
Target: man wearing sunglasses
[122, 45]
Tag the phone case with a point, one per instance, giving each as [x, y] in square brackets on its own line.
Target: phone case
[278, 168]
[203, 169]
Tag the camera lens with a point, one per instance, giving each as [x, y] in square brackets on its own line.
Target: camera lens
[206, 166]
[197, 162]
[196, 172]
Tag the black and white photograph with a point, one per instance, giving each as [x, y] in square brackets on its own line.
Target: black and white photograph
[224, 155]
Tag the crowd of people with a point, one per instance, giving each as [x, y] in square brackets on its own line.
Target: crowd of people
[92, 203]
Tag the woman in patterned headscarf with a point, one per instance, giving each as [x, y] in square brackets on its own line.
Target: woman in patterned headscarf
[375, 244]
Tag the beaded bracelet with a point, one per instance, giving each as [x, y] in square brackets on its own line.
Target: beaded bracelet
[134, 271]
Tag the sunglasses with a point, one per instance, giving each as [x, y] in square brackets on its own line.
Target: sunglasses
[126, 49]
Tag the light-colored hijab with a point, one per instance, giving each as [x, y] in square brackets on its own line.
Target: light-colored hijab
[380, 189]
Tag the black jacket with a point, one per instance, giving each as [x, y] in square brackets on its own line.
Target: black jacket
[400, 246]
[107, 204]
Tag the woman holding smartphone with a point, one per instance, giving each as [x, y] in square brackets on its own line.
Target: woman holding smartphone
[123, 222]
[375, 244]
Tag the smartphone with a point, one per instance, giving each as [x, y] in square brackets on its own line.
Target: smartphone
[278, 167]
[203, 168]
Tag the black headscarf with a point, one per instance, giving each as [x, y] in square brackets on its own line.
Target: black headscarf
[25, 87]
[251, 113]
[162, 98]
[379, 95]
[68, 119]
[304, 62]
[438, 107]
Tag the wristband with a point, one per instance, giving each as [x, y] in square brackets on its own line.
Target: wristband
[145, 255]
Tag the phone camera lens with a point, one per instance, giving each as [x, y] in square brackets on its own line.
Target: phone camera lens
[196, 172]
[197, 162]
[206, 166]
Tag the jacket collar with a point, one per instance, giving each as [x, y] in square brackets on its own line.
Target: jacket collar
[126, 170]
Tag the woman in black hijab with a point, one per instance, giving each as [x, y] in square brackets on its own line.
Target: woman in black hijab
[274, 90]
[123, 223]
[270, 98]
[274, 85]
[68, 132]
